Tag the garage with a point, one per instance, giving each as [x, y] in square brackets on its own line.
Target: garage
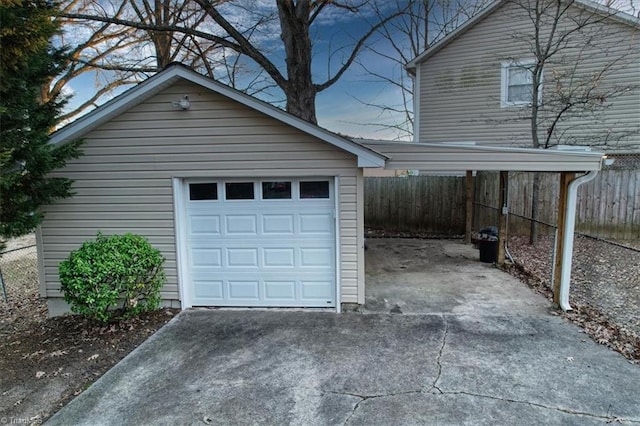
[261, 242]
[250, 206]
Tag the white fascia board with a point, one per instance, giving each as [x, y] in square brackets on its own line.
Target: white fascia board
[615, 14]
[471, 145]
[366, 157]
[362, 162]
[453, 157]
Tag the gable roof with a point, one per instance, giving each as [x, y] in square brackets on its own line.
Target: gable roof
[175, 72]
[585, 4]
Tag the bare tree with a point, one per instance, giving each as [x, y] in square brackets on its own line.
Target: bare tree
[578, 54]
[295, 23]
[118, 55]
[89, 46]
[422, 23]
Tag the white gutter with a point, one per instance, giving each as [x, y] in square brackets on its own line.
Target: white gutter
[570, 224]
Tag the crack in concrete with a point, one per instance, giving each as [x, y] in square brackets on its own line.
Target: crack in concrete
[609, 418]
[364, 398]
[440, 352]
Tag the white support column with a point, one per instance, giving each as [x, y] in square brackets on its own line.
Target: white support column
[567, 246]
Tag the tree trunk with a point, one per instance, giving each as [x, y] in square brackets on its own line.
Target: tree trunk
[300, 90]
[162, 39]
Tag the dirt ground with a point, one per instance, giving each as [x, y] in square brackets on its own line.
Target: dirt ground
[45, 362]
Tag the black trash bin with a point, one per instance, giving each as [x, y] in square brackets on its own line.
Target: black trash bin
[488, 244]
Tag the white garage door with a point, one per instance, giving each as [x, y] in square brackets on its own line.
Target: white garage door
[269, 242]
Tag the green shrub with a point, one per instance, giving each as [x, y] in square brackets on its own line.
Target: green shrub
[113, 277]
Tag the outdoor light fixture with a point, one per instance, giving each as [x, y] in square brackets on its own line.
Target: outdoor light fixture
[183, 103]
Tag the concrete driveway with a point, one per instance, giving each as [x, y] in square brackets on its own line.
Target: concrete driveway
[413, 276]
[509, 362]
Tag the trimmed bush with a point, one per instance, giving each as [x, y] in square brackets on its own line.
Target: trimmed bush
[114, 277]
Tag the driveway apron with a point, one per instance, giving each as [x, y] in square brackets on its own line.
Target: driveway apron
[248, 367]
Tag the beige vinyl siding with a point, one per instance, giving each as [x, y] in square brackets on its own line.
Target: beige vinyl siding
[123, 182]
[460, 85]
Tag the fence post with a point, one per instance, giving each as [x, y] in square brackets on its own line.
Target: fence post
[503, 216]
[469, 211]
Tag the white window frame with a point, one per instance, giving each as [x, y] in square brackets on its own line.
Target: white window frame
[504, 80]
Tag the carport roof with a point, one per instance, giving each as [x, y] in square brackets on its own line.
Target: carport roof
[464, 156]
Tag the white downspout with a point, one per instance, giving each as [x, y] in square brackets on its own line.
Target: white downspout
[570, 224]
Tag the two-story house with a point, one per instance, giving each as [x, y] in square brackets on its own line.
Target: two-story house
[476, 84]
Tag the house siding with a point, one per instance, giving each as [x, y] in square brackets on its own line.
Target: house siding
[123, 182]
[459, 97]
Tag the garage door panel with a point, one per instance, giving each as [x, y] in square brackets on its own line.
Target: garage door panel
[316, 257]
[316, 224]
[207, 257]
[294, 254]
[244, 290]
[280, 290]
[208, 289]
[241, 224]
[204, 225]
[242, 257]
[278, 252]
[278, 257]
[316, 290]
[277, 224]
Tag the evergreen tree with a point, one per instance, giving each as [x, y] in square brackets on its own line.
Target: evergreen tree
[28, 60]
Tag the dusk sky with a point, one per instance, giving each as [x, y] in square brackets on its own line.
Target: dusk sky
[338, 107]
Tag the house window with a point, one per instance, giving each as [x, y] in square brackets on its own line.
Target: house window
[517, 83]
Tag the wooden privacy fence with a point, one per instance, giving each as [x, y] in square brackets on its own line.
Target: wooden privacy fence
[434, 204]
[608, 206]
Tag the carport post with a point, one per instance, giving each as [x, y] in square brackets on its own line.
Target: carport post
[469, 211]
[565, 180]
[503, 216]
